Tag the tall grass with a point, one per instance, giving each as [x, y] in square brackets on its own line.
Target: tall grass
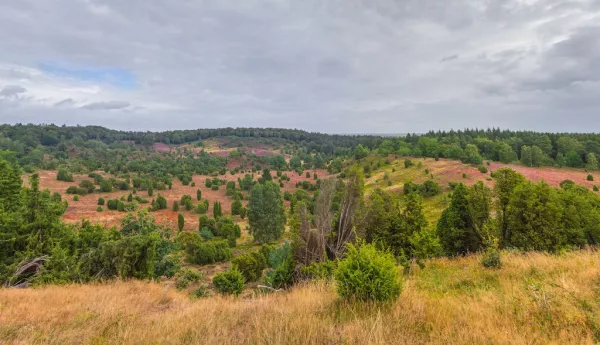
[533, 299]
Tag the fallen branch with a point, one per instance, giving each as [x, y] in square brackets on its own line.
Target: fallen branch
[269, 288]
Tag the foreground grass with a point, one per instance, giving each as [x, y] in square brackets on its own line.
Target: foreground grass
[533, 299]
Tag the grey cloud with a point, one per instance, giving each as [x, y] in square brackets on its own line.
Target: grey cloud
[333, 65]
[449, 58]
[12, 90]
[64, 103]
[110, 105]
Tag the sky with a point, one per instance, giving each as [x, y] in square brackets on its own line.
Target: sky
[335, 66]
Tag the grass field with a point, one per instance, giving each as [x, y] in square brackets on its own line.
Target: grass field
[533, 299]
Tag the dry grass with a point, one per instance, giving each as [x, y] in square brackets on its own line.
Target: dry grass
[533, 299]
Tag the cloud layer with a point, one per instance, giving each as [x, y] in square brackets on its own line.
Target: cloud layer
[379, 66]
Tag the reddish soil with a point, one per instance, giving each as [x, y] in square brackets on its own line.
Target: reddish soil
[553, 176]
[86, 206]
[161, 147]
[261, 152]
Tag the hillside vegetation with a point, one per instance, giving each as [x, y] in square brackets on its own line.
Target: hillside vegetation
[283, 236]
[534, 298]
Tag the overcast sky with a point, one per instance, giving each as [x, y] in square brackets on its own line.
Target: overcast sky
[341, 66]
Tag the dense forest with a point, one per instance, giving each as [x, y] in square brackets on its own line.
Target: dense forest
[50, 146]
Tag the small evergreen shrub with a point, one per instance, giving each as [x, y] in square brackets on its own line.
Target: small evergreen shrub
[200, 292]
[367, 274]
[206, 233]
[251, 265]
[590, 177]
[491, 258]
[595, 188]
[185, 277]
[230, 282]
[99, 209]
[483, 169]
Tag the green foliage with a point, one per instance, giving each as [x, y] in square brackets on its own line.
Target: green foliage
[236, 205]
[101, 201]
[320, 270]
[106, 186]
[160, 203]
[282, 263]
[483, 169]
[491, 258]
[266, 215]
[64, 175]
[175, 206]
[408, 163]
[217, 211]
[167, 266]
[429, 188]
[459, 228]
[230, 282]
[88, 186]
[99, 209]
[76, 198]
[180, 221]
[251, 265]
[367, 274]
[202, 252]
[590, 177]
[185, 277]
[198, 195]
[206, 233]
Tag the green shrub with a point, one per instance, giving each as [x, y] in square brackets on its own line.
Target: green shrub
[483, 169]
[72, 190]
[590, 177]
[99, 209]
[367, 274]
[408, 163]
[250, 265]
[491, 258]
[101, 201]
[200, 292]
[320, 270]
[64, 175]
[282, 264]
[206, 234]
[464, 175]
[168, 266]
[206, 252]
[185, 277]
[76, 198]
[595, 188]
[230, 282]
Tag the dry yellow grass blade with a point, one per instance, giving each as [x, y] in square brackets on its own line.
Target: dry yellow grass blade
[533, 299]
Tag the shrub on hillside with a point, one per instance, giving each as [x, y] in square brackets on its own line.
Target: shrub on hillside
[185, 277]
[250, 265]
[64, 175]
[483, 169]
[230, 282]
[203, 252]
[590, 177]
[282, 264]
[491, 258]
[368, 274]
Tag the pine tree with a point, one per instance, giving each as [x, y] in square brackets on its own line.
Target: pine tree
[180, 221]
[266, 215]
